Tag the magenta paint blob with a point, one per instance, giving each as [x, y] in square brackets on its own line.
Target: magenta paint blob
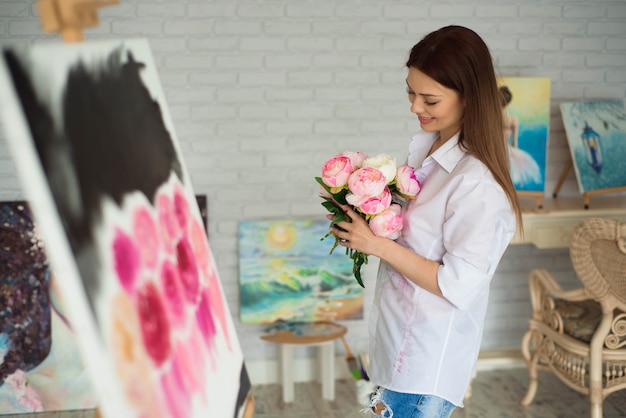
[155, 328]
[147, 237]
[126, 260]
[181, 208]
[167, 220]
[172, 293]
[188, 270]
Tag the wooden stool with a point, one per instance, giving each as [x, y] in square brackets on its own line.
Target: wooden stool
[316, 334]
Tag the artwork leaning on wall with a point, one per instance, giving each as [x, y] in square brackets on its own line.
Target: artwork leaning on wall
[286, 273]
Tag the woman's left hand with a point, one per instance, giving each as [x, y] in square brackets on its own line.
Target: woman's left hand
[355, 235]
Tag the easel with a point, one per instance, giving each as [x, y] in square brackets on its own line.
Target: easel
[69, 18]
[566, 169]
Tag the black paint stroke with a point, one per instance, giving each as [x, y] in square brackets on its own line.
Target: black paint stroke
[112, 141]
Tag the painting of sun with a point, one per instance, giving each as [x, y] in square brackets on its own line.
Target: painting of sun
[287, 274]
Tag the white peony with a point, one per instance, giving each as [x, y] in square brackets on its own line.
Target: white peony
[384, 163]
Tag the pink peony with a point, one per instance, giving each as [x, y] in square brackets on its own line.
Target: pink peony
[356, 158]
[407, 185]
[367, 181]
[374, 205]
[336, 171]
[388, 223]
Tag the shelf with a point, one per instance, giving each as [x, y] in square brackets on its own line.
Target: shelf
[552, 226]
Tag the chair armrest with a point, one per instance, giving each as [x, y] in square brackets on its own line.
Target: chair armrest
[541, 283]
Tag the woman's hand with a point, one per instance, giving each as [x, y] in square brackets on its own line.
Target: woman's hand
[355, 235]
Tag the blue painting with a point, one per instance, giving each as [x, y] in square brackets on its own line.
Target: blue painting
[286, 273]
[596, 134]
[526, 113]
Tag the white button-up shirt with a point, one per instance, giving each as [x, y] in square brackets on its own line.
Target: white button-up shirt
[420, 342]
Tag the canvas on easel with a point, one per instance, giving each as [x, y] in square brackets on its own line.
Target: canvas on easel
[526, 112]
[90, 132]
[596, 135]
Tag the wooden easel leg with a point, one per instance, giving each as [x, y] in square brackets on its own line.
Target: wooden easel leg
[564, 173]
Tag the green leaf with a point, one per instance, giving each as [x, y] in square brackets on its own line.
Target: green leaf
[359, 260]
[321, 182]
[334, 208]
[341, 196]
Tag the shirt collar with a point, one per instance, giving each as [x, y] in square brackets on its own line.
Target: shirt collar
[449, 154]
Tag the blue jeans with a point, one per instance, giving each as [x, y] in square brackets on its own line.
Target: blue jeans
[386, 403]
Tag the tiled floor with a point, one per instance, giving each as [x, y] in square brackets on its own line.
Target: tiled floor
[495, 394]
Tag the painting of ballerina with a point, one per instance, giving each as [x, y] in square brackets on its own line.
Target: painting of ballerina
[596, 135]
[526, 111]
[40, 365]
[89, 130]
[287, 274]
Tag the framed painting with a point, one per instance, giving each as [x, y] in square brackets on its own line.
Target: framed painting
[40, 365]
[287, 274]
[526, 111]
[596, 135]
[89, 130]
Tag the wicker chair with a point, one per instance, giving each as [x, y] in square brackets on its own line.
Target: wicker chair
[580, 334]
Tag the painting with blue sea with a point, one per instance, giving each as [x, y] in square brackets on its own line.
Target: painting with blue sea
[596, 135]
[286, 273]
[526, 113]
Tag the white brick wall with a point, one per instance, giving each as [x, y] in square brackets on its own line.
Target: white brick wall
[262, 93]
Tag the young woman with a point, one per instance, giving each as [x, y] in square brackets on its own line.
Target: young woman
[433, 283]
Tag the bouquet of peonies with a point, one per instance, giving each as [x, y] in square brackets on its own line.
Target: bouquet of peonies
[372, 187]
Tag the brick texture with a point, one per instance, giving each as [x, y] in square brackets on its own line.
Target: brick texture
[262, 95]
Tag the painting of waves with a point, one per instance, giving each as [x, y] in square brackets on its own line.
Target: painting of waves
[286, 273]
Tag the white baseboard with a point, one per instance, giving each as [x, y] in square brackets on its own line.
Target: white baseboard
[306, 370]
[267, 371]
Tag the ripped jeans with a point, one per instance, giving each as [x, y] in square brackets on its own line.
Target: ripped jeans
[386, 403]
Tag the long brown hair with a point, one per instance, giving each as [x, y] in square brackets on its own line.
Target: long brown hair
[457, 58]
